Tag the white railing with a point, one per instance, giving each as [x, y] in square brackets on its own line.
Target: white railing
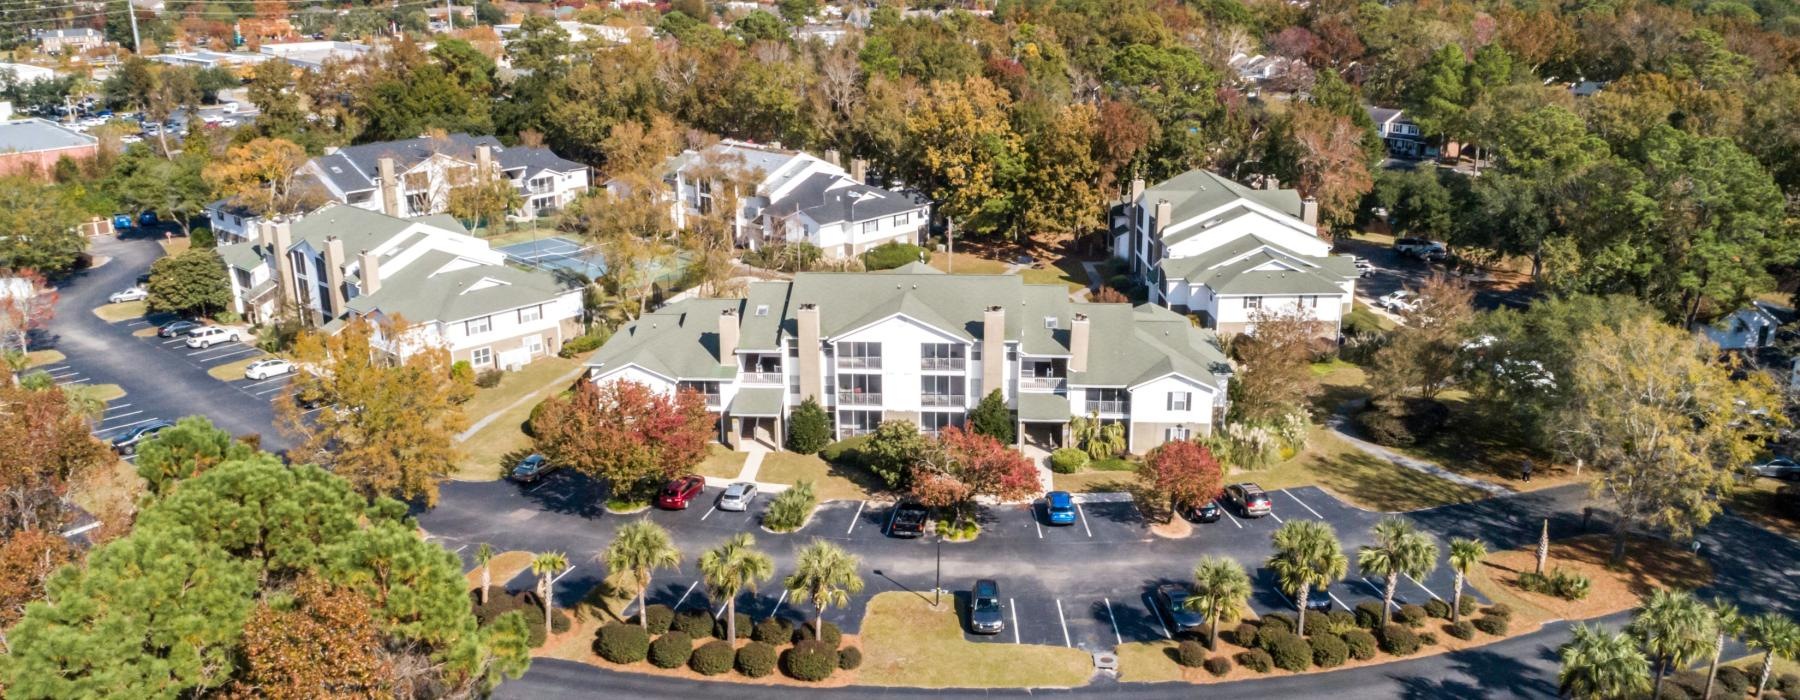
[1042, 383]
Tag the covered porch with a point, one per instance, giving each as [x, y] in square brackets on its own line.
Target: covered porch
[1043, 421]
[754, 420]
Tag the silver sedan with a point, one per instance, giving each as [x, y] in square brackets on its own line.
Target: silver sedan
[737, 497]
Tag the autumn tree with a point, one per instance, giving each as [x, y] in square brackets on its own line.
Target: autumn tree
[962, 465]
[1332, 167]
[625, 433]
[387, 424]
[1060, 192]
[27, 303]
[1421, 356]
[322, 643]
[968, 152]
[1185, 472]
[27, 559]
[1274, 365]
[263, 175]
[43, 445]
[484, 200]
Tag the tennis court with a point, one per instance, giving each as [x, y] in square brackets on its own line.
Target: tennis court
[559, 255]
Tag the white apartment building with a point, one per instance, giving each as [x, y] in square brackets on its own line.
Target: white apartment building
[918, 345]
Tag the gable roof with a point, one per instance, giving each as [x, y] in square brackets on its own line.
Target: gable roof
[1197, 192]
[679, 341]
[359, 229]
[354, 168]
[829, 199]
[445, 287]
[1232, 269]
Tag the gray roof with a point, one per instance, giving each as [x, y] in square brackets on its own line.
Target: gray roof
[1230, 269]
[67, 33]
[359, 229]
[1197, 192]
[830, 199]
[27, 135]
[1381, 115]
[355, 168]
[422, 291]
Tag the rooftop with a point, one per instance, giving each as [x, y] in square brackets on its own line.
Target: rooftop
[29, 135]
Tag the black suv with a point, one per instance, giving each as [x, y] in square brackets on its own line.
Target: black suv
[909, 520]
[1204, 512]
[985, 614]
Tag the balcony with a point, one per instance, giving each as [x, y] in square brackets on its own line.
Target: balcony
[712, 401]
[1108, 407]
[942, 364]
[940, 400]
[845, 398]
[859, 363]
[760, 377]
[1043, 383]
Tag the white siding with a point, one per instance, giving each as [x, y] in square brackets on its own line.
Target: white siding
[1150, 401]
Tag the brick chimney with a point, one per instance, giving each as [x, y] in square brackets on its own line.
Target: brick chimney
[728, 337]
[993, 350]
[859, 170]
[371, 272]
[1078, 343]
[390, 187]
[812, 373]
[334, 273]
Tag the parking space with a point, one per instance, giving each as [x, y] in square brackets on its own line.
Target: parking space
[206, 358]
[567, 587]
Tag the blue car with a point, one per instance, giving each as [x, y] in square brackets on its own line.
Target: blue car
[1059, 508]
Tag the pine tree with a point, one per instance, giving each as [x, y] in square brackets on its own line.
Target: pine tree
[993, 419]
[809, 428]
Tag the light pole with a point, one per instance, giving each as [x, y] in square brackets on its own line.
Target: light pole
[937, 589]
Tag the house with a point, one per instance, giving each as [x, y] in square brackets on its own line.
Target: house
[342, 262]
[794, 197]
[1748, 329]
[919, 345]
[610, 34]
[35, 145]
[75, 40]
[1400, 133]
[414, 177]
[1261, 71]
[1204, 244]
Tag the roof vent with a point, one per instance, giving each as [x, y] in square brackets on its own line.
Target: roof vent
[762, 309]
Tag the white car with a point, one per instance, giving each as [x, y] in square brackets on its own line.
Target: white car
[228, 122]
[210, 336]
[272, 367]
[737, 497]
[1398, 302]
[132, 294]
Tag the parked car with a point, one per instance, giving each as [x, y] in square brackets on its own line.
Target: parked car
[1398, 302]
[176, 329]
[131, 294]
[1173, 598]
[1319, 599]
[532, 468]
[1421, 248]
[126, 443]
[1777, 468]
[909, 520]
[737, 497]
[986, 616]
[1363, 267]
[1207, 512]
[677, 494]
[272, 367]
[211, 335]
[1249, 499]
[1059, 508]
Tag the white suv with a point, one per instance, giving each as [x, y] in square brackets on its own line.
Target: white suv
[210, 336]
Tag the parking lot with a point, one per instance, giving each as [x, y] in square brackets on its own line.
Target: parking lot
[207, 358]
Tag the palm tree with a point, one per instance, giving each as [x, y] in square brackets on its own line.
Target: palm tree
[1728, 624]
[641, 548]
[826, 575]
[1675, 629]
[484, 555]
[1221, 588]
[1601, 666]
[1399, 549]
[1774, 635]
[732, 568]
[1307, 554]
[545, 565]
[1464, 555]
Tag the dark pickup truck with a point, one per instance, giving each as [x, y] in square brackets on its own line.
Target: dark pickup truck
[909, 520]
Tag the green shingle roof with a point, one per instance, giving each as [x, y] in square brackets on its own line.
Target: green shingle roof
[1231, 269]
[759, 401]
[1196, 192]
[679, 341]
[439, 286]
[359, 229]
[1042, 407]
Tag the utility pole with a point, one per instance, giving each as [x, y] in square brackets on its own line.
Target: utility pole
[950, 248]
[449, 16]
[137, 45]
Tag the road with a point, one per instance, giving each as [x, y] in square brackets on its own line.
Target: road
[1394, 272]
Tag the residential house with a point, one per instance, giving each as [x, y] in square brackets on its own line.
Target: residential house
[795, 197]
[1400, 133]
[70, 40]
[1750, 328]
[918, 345]
[1204, 244]
[35, 145]
[453, 291]
[1259, 71]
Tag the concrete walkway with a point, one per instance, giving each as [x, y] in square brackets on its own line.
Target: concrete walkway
[490, 418]
[1340, 424]
[753, 459]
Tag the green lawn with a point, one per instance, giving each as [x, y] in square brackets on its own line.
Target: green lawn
[830, 481]
[488, 453]
[1357, 477]
[534, 378]
[967, 264]
[908, 643]
[98, 392]
[721, 462]
[39, 358]
[1066, 271]
[114, 313]
[232, 370]
[1094, 481]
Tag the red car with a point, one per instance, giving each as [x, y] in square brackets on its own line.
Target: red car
[677, 493]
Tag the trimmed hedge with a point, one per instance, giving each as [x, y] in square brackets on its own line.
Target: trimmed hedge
[1218, 666]
[812, 660]
[1245, 634]
[1340, 621]
[1788, 684]
[849, 658]
[773, 631]
[1462, 629]
[1438, 609]
[1734, 681]
[1290, 652]
[1067, 460]
[743, 627]
[1368, 614]
[755, 659]
[1190, 653]
[500, 602]
[1498, 610]
[1469, 605]
[1492, 624]
[671, 650]
[1361, 643]
[1411, 616]
[1282, 621]
[712, 658]
[1256, 660]
[1428, 639]
[622, 643]
[1329, 651]
[583, 343]
[1399, 640]
[831, 636]
[1269, 633]
[696, 623]
[1317, 622]
[658, 617]
[890, 255]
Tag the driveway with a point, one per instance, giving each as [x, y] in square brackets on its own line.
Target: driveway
[1394, 272]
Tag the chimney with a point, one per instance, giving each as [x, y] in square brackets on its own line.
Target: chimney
[859, 171]
[728, 337]
[371, 272]
[1309, 211]
[832, 157]
[993, 350]
[282, 238]
[1164, 212]
[812, 375]
[390, 188]
[1137, 189]
[334, 273]
[1078, 343]
[1270, 182]
[484, 162]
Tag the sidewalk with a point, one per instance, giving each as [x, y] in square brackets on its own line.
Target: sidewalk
[1340, 424]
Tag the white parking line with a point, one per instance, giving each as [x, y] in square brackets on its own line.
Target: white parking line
[1377, 589]
[1284, 596]
[541, 484]
[1308, 508]
[1036, 524]
[1276, 517]
[122, 415]
[709, 511]
[1156, 612]
[1334, 599]
[1227, 512]
[54, 369]
[122, 427]
[173, 341]
[1014, 609]
[75, 381]
[275, 378]
[222, 349]
[229, 353]
[847, 530]
[1090, 531]
[778, 602]
[459, 550]
[69, 373]
[116, 406]
[1422, 587]
[1065, 623]
[684, 596]
[137, 323]
[895, 513]
[559, 577]
[268, 391]
[1117, 639]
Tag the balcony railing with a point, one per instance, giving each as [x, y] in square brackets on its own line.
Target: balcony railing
[1108, 406]
[760, 377]
[859, 363]
[940, 400]
[942, 364]
[846, 398]
[1042, 383]
[712, 400]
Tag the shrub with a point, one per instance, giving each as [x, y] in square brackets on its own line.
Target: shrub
[1788, 684]
[1340, 621]
[696, 623]
[1399, 640]
[1498, 610]
[1329, 650]
[1290, 652]
[1469, 605]
[1560, 582]
[501, 602]
[202, 237]
[489, 378]
[888, 256]
[830, 636]
[1361, 643]
[1733, 680]
[1218, 666]
[1067, 460]
[228, 317]
[743, 627]
[1282, 621]
[756, 659]
[1411, 615]
[797, 256]
[773, 631]
[791, 508]
[657, 617]
[849, 658]
[1245, 634]
[1427, 639]
[1402, 425]
[811, 660]
[1438, 609]
[992, 418]
[712, 658]
[621, 643]
[847, 452]
[1256, 660]
[1492, 624]
[1317, 622]
[1462, 629]
[1269, 633]
[1368, 614]
[461, 372]
[809, 428]
[1671, 691]
[671, 650]
[1190, 653]
[584, 343]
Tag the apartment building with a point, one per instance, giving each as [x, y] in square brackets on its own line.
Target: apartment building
[453, 291]
[918, 345]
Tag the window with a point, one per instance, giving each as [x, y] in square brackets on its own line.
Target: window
[1309, 302]
[859, 355]
[1108, 401]
[762, 309]
[1252, 302]
[859, 390]
[900, 220]
[869, 227]
[854, 423]
[1012, 353]
[531, 313]
[709, 390]
[793, 347]
[941, 390]
[1175, 434]
[1180, 400]
[475, 326]
[481, 357]
[534, 345]
[941, 356]
[931, 423]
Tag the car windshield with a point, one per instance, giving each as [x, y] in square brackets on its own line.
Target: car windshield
[737, 491]
[987, 604]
